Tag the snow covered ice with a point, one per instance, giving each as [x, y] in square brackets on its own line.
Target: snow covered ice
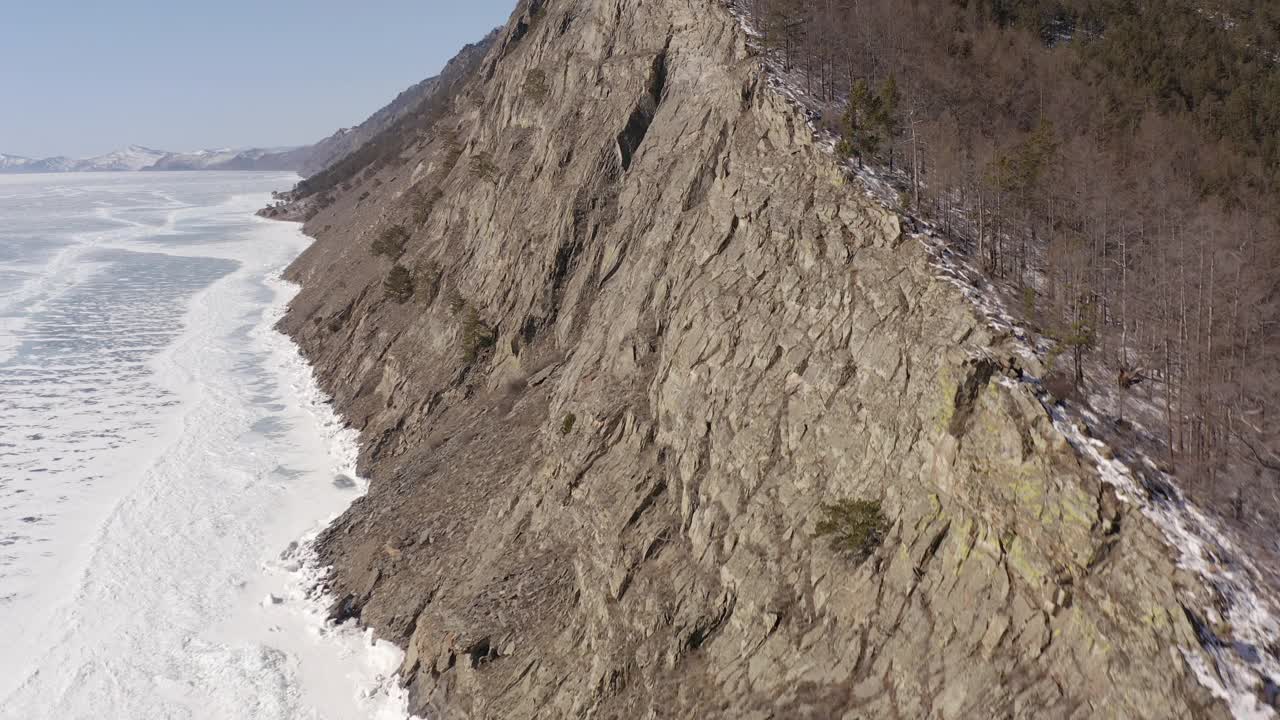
[165, 456]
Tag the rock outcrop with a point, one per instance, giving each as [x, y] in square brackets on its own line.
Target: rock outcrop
[626, 331]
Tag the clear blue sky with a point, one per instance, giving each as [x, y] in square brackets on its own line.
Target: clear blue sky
[83, 77]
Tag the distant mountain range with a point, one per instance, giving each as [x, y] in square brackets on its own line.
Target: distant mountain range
[138, 158]
[306, 160]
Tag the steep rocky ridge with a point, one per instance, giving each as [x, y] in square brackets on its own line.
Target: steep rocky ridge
[373, 141]
[345, 141]
[653, 327]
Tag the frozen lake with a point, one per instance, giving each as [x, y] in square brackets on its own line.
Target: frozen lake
[162, 452]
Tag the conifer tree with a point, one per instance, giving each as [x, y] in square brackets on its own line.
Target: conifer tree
[861, 123]
[888, 113]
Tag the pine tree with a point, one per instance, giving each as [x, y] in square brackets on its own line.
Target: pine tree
[888, 113]
[861, 123]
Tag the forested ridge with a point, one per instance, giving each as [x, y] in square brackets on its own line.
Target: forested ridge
[1114, 164]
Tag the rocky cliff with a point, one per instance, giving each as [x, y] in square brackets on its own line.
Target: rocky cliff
[614, 329]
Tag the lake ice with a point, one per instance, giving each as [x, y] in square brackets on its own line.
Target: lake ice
[164, 455]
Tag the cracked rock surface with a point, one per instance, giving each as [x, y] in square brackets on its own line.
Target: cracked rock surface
[652, 330]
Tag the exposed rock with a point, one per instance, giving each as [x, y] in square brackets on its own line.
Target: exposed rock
[659, 250]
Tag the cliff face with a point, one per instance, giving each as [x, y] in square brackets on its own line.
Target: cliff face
[651, 330]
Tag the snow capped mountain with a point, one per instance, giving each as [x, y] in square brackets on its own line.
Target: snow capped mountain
[19, 164]
[232, 159]
[61, 163]
[11, 162]
[137, 157]
[134, 157]
[198, 160]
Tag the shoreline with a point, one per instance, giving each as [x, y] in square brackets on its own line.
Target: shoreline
[296, 573]
[197, 592]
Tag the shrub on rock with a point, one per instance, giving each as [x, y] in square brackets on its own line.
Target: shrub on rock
[391, 242]
[476, 336]
[399, 284]
[856, 527]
